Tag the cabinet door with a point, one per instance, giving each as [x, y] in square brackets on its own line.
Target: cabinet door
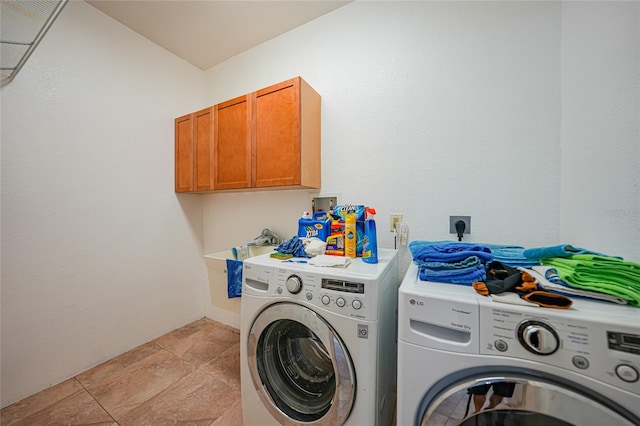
[277, 135]
[184, 153]
[203, 130]
[232, 157]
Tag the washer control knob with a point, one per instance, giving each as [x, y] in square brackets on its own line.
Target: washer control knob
[294, 284]
[538, 337]
[325, 299]
[356, 304]
[627, 373]
[341, 302]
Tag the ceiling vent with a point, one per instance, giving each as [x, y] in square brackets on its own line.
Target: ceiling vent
[23, 24]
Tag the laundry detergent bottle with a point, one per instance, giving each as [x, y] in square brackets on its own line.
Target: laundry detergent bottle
[318, 226]
[370, 244]
[350, 235]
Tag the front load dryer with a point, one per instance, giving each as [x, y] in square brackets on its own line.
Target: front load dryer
[317, 344]
[466, 359]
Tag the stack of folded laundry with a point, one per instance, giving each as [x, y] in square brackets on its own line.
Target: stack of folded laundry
[517, 286]
[586, 273]
[511, 255]
[548, 279]
[450, 262]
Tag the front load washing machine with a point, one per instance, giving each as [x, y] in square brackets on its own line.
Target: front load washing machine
[317, 344]
[466, 359]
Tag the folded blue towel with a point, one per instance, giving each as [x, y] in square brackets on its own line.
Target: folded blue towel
[450, 261]
[424, 251]
[463, 276]
[433, 273]
[511, 255]
[471, 261]
[562, 250]
[234, 278]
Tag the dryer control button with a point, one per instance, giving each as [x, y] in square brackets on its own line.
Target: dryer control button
[580, 362]
[325, 299]
[627, 373]
[356, 304]
[501, 345]
[340, 302]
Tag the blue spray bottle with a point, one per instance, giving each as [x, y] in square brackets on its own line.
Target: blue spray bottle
[370, 245]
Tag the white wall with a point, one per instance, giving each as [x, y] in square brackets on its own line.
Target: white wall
[439, 108]
[429, 109]
[601, 126]
[99, 255]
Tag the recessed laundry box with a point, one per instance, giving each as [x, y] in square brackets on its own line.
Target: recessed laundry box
[219, 306]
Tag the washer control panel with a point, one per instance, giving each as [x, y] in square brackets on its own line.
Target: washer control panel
[342, 293]
[348, 297]
[607, 351]
[593, 339]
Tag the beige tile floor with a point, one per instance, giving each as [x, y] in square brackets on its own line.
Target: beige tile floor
[190, 376]
[452, 410]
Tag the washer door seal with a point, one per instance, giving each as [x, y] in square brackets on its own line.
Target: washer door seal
[300, 366]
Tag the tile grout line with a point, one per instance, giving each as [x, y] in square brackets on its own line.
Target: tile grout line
[94, 398]
[86, 388]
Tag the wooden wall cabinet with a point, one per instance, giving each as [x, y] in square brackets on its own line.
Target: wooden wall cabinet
[286, 144]
[184, 154]
[232, 144]
[266, 139]
[194, 151]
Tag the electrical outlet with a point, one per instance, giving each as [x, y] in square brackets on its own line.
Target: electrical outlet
[395, 219]
[454, 219]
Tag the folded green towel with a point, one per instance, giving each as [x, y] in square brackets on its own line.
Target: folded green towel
[605, 274]
[599, 267]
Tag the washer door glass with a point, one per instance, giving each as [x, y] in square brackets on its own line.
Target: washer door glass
[517, 399]
[300, 366]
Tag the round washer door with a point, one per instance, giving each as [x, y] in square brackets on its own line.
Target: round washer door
[517, 397]
[300, 367]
